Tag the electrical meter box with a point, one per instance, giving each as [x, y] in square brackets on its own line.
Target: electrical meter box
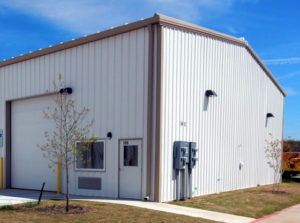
[192, 154]
[180, 155]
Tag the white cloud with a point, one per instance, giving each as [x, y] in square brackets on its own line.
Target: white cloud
[87, 16]
[289, 75]
[290, 91]
[80, 16]
[292, 60]
[232, 30]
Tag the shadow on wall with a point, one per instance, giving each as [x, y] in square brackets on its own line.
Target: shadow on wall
[205, 104]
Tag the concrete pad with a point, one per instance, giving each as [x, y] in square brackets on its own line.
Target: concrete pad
[6, 200]
[16, 196]
[288, 215]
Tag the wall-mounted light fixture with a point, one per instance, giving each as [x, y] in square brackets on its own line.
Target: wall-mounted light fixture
[67, 90]
[109, 135]
[210, 93]
[270, 115]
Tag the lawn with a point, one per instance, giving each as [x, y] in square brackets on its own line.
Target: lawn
[254, 202]
[96, 212]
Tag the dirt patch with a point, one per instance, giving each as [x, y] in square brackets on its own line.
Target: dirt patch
[61, 209]
[276, 192]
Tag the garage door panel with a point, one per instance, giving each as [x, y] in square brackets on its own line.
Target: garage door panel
[29, 169]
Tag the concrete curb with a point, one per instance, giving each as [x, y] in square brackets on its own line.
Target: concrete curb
[274, 214]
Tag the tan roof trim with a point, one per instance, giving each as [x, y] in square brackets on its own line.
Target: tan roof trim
[171, 22]
[83, 40]
[157, 18]
[263, 66]
[168, 21]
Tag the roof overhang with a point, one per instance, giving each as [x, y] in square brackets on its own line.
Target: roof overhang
[156, 19]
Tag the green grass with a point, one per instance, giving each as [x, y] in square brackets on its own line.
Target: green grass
[17, 207]
[97, 212]
[254, 202]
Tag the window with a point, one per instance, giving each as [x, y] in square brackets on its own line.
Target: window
[90, 155]
[131, 155]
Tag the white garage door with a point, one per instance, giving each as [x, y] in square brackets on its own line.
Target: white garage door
[28, 167]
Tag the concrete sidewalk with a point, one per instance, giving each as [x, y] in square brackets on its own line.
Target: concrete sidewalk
[175, 209]
[288, 215]
[15, 196]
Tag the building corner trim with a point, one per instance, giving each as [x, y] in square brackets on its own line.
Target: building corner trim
[149, 109]
[8, 144]
[158, 146]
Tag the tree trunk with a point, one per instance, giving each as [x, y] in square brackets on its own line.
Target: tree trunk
[67, 194]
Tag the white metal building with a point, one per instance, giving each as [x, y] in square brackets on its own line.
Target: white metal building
[145, 82]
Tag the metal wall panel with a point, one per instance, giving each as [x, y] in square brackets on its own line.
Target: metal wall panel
[232, 127]
[108, 76]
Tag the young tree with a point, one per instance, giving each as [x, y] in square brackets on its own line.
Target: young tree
[60, 144]
[273, 152]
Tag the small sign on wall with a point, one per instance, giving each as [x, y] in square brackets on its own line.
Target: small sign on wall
[1, 138]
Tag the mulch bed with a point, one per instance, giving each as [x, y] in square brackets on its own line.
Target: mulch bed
[61, 209]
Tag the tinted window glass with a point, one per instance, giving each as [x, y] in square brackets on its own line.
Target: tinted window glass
[130, 155]
[90, 155]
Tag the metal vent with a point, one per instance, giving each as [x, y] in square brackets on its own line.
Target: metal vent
[90, 183]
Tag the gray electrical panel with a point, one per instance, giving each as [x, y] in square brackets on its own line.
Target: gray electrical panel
[180, 155]
[193, 154]
[184, 160]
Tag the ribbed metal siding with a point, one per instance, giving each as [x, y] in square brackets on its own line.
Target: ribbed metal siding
[232, 129]
[110, 77]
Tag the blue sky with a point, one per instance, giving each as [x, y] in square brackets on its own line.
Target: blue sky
[271, 27]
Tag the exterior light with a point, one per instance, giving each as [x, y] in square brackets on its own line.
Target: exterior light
[270, 115]
[66, 90]
[210, 93]
[109, 135]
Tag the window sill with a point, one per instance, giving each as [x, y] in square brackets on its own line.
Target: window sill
[89, 170]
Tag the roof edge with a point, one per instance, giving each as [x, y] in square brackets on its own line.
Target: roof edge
[83, 40]
[172, 22]
[264, 67]
[157, 18]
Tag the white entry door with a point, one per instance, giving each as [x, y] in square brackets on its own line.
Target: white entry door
[130, 169]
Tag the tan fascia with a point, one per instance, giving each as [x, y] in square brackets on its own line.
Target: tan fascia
[157, 18]
[83, 40]
[171, 22]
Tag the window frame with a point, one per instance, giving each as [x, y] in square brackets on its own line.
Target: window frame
[89, 169]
